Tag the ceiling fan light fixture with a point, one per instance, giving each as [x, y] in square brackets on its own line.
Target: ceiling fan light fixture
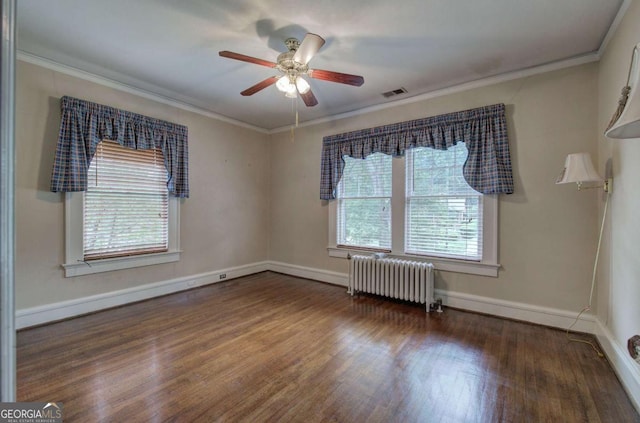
[302, 85]
[285, 85]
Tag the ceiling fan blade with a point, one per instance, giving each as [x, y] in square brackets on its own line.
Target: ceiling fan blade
[308, 48]
[309, 99]
[343, 78]
[243, 58]
[260, 86]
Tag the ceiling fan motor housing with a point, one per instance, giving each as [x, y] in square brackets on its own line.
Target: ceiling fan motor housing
[290, 67]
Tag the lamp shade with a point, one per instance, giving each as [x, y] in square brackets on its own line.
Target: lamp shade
[578, 167]
[628, 123]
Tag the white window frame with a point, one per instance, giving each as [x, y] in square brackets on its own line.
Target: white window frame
[488, 266]
[74, 255]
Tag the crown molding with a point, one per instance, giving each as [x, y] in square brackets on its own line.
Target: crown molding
[478, 83]
[100, 80]
[508, 76]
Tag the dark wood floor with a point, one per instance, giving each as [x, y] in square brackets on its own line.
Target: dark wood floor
[270, 347]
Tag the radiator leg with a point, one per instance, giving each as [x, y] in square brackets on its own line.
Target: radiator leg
[350, 282]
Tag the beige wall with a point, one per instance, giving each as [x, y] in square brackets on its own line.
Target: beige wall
[223, 224]
[547, 233]
[619, 278]
[255, 197]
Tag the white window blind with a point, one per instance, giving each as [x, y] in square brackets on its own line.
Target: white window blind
[443, 213]
[126, 203]
[364, 203]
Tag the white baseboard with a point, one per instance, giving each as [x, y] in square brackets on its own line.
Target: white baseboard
[51, 312]
[626, 368]
[553, 317]
[334, 278]
[513, 310]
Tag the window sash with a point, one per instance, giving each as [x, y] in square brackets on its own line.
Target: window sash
[443, 214]
[364, 203]
[126, 204]
[450, 234]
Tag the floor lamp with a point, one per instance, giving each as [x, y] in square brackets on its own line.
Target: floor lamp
[579, 169]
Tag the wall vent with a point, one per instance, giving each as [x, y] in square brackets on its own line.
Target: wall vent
[398, 91]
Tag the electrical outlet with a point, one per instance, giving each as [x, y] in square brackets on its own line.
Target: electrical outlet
[223, 276]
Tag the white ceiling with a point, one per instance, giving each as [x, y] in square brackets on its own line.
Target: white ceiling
[170, 48]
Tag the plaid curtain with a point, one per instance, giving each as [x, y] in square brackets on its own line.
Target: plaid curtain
[483, 130]
[85, 124]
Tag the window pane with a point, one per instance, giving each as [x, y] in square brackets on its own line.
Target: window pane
[126, 203]
[438, 172]
[444, 226]
[370, 177]
[365, 222]
[364, 202]
[443, 213]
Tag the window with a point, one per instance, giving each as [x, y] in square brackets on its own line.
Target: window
[364, 203]
[443, 213]
[126, 217]
[436, 214]
[126, 204]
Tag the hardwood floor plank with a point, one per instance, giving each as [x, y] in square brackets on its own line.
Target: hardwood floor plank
[270, 347]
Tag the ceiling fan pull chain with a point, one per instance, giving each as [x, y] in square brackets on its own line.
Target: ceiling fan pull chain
[293, 126]
[293, 138]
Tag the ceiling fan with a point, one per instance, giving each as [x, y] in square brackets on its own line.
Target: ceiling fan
[293, 64]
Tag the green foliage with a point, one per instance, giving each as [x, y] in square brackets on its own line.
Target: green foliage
[368, 222]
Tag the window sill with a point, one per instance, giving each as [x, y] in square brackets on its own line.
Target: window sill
[118, 263]
[447, 265]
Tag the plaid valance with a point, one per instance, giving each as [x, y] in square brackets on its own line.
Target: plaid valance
[483, 130]
[85, 124]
